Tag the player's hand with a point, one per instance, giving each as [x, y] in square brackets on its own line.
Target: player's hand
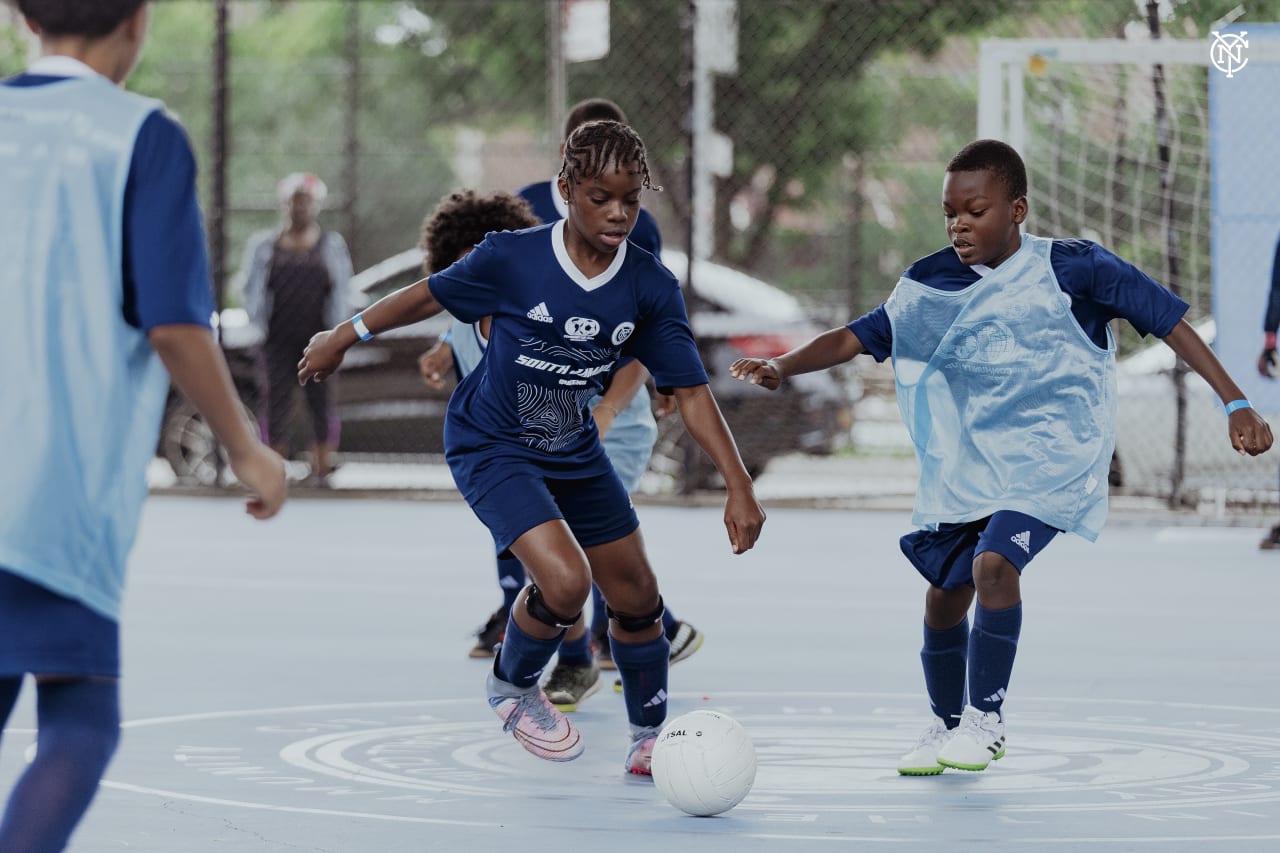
[1250, 434]
[261, 470]
[1269, 363]
[743, 518]
[666, 405]
[758, 371]
[320, 359]
[435, 363]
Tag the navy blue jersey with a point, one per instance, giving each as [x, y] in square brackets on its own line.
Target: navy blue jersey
[166, 267]
[1102, 287]
[554, 338]
[548, 206]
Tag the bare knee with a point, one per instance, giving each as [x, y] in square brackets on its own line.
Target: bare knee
[996, 580]
[944, 608]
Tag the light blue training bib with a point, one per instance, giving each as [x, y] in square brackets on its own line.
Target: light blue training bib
[1010, 406]
[83, 390]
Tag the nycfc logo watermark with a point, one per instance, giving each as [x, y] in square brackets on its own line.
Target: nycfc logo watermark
[1227, 52]
[827, 767]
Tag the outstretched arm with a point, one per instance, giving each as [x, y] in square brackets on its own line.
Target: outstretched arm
[196, 365]
[743, 515]
[325, 352]
[826, 350]
[1248, 431]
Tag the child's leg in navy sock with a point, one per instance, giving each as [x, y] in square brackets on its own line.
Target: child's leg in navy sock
[993, 643]
[511, 578]
[643, 667]
[78, 727]
[522, 658]
[943, 657]
[576, 651]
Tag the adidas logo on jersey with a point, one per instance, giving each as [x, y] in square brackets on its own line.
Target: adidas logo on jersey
[1022, 540]
[658, 699]
[540, 313]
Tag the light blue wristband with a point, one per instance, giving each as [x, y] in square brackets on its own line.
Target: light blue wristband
[1237, 404]
[357, 323]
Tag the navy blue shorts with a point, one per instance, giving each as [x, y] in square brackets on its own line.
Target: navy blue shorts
[945, 556]
[597, 509]
[44, 633]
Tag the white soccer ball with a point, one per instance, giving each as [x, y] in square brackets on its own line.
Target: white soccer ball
[704, 763]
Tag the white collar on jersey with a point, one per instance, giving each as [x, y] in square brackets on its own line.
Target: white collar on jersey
[571, 269]
[562, 206]
[56, 65]
[982, 269]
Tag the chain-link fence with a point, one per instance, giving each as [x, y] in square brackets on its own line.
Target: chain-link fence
[814, 133]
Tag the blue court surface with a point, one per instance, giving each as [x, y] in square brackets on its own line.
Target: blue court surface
[303, 685]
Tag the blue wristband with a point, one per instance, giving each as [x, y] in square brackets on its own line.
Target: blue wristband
[357, 323]
[1237, 404]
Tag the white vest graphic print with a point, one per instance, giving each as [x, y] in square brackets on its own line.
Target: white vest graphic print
[1010, 406]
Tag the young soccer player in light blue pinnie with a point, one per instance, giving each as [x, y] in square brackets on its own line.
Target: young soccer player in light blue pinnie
[567, 301]
[1005, 372]
[104, 283]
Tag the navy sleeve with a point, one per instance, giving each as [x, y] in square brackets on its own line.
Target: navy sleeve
[468, 288]
[166, 264]
[664, 342]
[1104, 286]
[875, 332]
[1272, 321]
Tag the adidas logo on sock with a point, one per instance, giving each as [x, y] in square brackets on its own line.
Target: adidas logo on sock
[995, 698]
[1022, 540]
[658, 699]
[540, 313]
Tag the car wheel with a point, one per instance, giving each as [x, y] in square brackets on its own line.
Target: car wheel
[188, 445]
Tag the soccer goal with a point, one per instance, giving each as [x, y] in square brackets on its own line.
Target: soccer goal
[1118, 137]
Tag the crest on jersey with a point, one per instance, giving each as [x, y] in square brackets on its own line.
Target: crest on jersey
[622, 332]
[581, 328]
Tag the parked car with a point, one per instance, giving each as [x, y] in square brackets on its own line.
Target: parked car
[1145, 429]
[387, 412]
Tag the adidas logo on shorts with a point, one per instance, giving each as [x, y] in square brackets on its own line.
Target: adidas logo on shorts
[540, 313]
[1022, 540]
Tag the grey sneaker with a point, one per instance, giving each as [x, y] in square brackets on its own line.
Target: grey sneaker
[686, 641]
[535, 722]
[490, 635]
[570, 684]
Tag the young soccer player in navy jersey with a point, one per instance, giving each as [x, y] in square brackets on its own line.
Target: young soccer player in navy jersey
[629, 436]
[1005, 372]
[622, 415]
[567, 301]
[104, 284]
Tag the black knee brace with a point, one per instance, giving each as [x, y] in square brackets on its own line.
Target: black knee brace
[538, 609]
[637, 623]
